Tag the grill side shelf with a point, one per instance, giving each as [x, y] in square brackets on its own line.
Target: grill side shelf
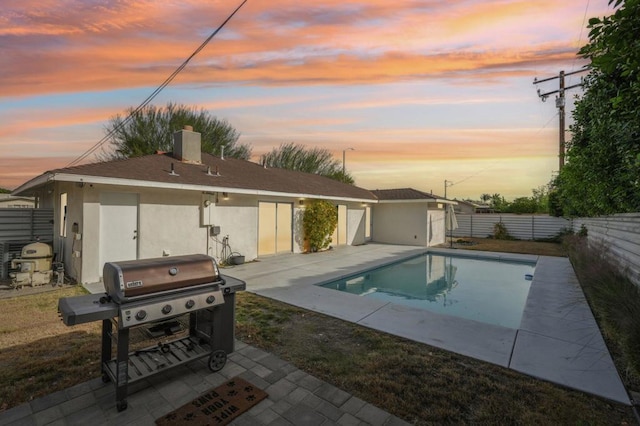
[149, 361]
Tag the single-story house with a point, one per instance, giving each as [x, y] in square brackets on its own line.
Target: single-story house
[410, 217]
[8, 201]
[186, 202]
[469, 207]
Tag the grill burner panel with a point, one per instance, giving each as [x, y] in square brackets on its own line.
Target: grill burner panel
[161, 308]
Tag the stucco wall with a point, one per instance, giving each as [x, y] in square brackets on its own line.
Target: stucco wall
[400, 223]
[65, 246]
[170, 221]
[237, 217]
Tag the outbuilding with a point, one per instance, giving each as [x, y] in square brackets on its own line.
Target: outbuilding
[410, 217]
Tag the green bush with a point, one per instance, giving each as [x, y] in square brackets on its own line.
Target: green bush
[319, 221]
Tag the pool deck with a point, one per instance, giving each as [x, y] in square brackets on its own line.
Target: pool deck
[558, 339]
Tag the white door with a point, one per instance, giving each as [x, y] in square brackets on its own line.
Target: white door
[339, 236]
[118, 227]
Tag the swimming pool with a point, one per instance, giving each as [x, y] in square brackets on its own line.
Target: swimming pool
[486, 290]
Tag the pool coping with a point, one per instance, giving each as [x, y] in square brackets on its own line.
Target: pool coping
[558, 339]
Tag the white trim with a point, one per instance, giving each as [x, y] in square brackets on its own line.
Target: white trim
[423, 200]
[37, 181]
[67, 177]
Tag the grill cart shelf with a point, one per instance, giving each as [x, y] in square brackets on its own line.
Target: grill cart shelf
[209, 306]
[130, 366]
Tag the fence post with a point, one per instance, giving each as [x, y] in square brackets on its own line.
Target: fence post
[533, 228]
[32, 224]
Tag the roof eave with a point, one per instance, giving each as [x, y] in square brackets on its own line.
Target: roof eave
[87, 179]
[34, 183]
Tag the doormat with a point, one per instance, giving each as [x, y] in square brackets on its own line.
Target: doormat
[218, 406]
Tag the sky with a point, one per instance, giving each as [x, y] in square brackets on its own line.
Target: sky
[413, 92]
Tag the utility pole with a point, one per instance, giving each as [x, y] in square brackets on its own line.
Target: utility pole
[447, 183]
[344, 157]
[560, 104]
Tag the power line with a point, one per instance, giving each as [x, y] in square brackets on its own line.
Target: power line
[155, 93]
[584, 20]
[560, 104]
[448, 183]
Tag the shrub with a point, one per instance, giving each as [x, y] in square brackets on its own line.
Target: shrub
[583, 232]
[500, 232]
[319, 221]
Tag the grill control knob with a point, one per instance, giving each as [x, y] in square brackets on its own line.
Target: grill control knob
[141, 314]
[166, 309]
[211, 299]
[190, 303]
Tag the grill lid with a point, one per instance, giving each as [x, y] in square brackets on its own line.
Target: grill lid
[136, 279]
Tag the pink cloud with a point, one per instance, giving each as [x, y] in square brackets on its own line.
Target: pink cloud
[131, 44]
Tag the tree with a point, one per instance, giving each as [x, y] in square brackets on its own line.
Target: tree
[498, 202]
[485, 198]
[319, 161]
[602, 174]
[5, 191]
[151, 129]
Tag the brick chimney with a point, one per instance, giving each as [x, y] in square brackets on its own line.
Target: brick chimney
[186, 146]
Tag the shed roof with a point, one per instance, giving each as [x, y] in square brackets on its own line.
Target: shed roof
[404, 194]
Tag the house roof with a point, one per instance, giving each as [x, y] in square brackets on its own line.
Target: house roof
[475, 205]
[226, 175]
[10, 197]
[407, 194]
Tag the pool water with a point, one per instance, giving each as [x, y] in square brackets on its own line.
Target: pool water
[485, 290]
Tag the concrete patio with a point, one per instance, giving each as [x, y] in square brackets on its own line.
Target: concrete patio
[558, 339]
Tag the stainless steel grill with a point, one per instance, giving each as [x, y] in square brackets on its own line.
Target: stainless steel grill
[153, 292]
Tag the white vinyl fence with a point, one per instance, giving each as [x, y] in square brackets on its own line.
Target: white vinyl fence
[620, 234]
[522, 227]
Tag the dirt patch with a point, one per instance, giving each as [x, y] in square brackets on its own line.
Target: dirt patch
[7, 291]
[540, 248]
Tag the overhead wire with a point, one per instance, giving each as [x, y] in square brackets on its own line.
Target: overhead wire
[155, 93]
[584, 19]
[494, 163]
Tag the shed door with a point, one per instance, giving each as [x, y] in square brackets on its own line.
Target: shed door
[275, 228]
[339, 236]
[118, 227]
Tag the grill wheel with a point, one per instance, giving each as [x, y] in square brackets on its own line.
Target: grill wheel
[217, 360]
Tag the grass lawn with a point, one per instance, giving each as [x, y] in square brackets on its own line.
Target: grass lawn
[419, 383]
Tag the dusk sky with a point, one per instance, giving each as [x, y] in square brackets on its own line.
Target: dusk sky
[423, 90]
